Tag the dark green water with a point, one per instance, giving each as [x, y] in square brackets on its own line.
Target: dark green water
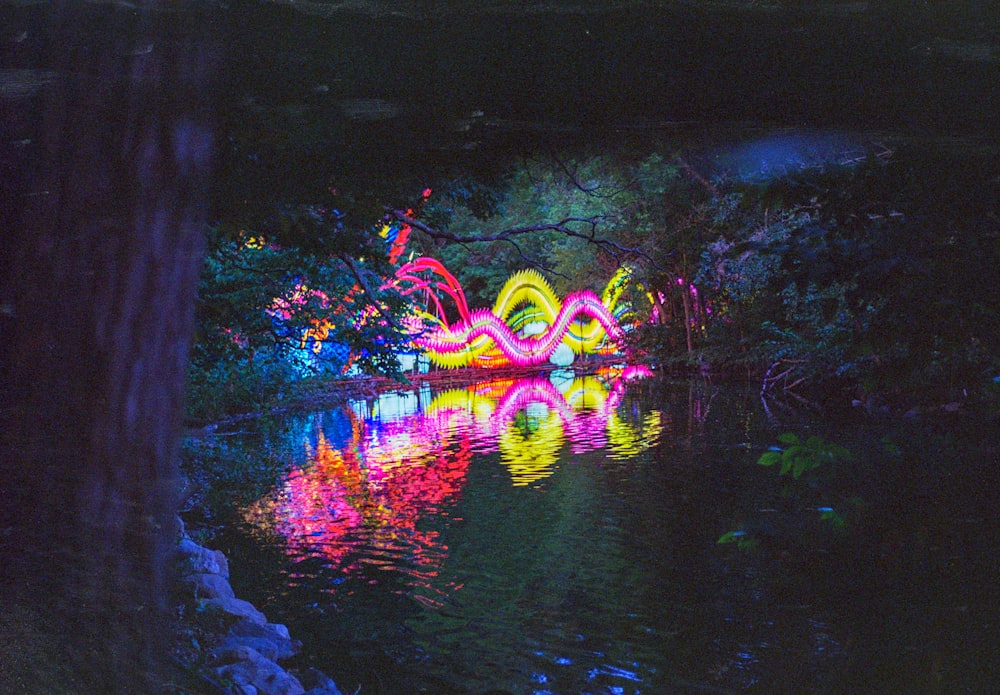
[498, 540]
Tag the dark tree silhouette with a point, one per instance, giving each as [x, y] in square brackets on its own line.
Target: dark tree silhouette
[107, 140]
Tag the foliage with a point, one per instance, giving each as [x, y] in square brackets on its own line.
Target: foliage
[851, 274]
[859, 275]
[796, 458]
[742, 539]
[799, 456]
[590, 189]
[226, 472]
[304, 297]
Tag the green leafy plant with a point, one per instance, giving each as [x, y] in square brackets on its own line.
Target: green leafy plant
[742, 539]
[795, 457]
[831, 515]
[799, 456]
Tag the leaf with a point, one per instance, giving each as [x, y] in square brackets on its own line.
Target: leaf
[801, 466]
[729, 537]
[840, 452]
[829, 514]
[786, 465]
[789, 438]
[742, 539]
[791, 457]
[769, 458]
[792, 452]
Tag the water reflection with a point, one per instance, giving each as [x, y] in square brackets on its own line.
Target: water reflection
[429, 543]
[376, 468]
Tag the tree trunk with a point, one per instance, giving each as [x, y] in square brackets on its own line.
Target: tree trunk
[686, 303]
[684, 284]
[104, 209]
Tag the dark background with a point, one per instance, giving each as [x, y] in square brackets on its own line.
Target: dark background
[319, 93]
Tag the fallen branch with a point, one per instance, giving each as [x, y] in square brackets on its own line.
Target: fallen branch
[770, 380]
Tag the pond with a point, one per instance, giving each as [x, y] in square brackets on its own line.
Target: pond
[559, 534]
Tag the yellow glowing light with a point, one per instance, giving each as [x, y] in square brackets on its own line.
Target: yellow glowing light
[532, 456]
[527, 298]
[588, 393]
[627, 441]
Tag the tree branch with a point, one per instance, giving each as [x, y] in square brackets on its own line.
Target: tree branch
[698, 177]
[508, 235]
[593, 191]
[368, 293]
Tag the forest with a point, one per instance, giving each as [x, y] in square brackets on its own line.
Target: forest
[194, 196]
[865, 276]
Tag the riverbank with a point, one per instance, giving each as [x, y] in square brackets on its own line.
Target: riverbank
[322, 392]
[602, 545]
[224, 643]
[690, 409]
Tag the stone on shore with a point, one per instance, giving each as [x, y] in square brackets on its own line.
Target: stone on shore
[237, 608]
[247, 653]
[248, 667]
[200, 560]
[205, 585]
[270, 640]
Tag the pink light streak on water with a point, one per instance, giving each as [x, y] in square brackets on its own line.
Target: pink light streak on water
[360, 505]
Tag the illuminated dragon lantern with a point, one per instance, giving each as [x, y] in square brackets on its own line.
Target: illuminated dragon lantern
[527, 325]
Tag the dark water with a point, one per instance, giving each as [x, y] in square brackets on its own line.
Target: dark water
[559, 535]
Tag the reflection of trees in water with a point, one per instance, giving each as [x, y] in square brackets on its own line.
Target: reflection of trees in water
[359, 505]
[364, 495]
[530, 419]
[542, 573]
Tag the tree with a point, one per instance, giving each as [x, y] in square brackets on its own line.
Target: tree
[560, 216]
[308, 295]
[103, 210]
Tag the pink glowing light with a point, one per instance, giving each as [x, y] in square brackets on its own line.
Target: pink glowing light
[408, 280]
[361, 503]
[522, 351]
[485, 338]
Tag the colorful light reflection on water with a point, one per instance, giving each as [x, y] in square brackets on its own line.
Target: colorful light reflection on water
[404, 455]
[381, 482]
[428, 542]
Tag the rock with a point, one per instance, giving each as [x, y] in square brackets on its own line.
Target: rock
[204, 585]
[251, 668]
[234, 655]
[274, 630]
[271, 641]
[199, 560]
[231, 645]
[318, 683]
[281, 630]
[237, 607]
[248, 652]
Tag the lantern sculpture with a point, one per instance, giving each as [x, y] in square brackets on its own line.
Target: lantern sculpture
[526, 326]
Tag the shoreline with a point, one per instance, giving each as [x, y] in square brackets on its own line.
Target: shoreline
[242, 649]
